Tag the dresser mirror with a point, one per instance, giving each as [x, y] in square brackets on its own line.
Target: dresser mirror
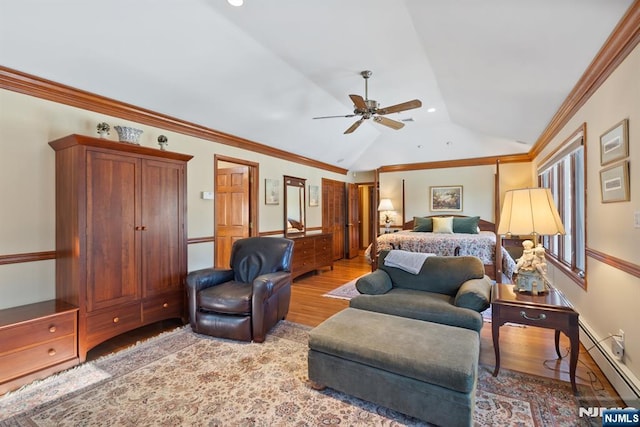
[294, 206]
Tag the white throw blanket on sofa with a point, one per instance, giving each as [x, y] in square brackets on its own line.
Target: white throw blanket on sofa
[405, 260]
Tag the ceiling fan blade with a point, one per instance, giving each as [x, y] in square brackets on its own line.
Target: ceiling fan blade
[388, 122]
[358, 101]
[354, 126]
[332, 117]
[409, 105]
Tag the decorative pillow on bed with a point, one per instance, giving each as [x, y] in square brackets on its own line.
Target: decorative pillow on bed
[422, 224]
[466, 225]
[443, 224]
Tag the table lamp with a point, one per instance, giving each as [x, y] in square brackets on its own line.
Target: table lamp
[530, 211]
[386, 206]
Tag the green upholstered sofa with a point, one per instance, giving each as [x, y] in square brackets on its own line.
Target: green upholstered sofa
[447, 290]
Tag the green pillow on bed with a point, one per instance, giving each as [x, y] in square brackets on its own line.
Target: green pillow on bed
[466, 225]
[422, 224]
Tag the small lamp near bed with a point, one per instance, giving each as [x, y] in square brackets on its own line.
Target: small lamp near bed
[530, 211]
[387, 207]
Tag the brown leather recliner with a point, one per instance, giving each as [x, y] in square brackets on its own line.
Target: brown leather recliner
[247, 300]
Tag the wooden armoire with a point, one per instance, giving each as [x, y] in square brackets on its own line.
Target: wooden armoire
[121, 242]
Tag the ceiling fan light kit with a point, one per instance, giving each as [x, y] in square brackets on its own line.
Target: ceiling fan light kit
[368, 108]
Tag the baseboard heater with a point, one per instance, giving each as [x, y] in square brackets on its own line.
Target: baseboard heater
[627, 388]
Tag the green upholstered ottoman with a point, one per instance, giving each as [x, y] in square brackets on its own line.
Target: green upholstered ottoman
[422, 369]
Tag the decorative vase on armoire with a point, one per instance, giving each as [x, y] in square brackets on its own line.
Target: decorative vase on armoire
[121, 243]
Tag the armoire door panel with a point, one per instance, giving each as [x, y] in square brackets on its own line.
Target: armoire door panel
[161, 226]
[112, 272]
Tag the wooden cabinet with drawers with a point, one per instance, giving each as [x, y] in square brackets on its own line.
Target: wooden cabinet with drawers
[36, 340]
[311, 252]
[121, 243]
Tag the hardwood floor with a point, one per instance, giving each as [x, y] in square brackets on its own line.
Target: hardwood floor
[524, 349]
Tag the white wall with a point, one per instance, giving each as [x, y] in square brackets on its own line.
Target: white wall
[477, 190]
[27, 193]
[611, 300]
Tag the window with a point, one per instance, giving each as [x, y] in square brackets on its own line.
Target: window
[564, 174]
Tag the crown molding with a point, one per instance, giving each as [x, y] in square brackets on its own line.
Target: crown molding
[624, 38]
[478, 161]
[27, 84]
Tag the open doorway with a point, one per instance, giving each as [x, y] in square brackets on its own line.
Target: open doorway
[236, 205]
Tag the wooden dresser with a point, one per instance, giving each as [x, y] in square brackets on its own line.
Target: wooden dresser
[311, 252]
[36, 340]
[121, 243]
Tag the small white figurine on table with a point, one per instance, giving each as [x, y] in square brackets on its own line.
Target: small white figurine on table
[532, 269]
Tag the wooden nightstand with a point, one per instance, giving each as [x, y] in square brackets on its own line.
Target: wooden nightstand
[550, 310]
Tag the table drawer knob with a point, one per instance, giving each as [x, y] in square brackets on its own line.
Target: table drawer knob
[165, 305]
[52, 352]
[52, 328]
[541, 317]
[116, 319]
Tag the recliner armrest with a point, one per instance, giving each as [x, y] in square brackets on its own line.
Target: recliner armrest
[266, 285]
[474, 294]
[207, 277]
[375, 283]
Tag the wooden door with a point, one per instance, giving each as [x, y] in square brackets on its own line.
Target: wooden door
[162, 226]
[113, 216]
[231, 211]
[333, 214]
[353, 221]
[366, 214]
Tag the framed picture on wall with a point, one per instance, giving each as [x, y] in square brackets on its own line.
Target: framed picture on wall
[614, 143]
[614, 183]
[314, 195]
[446, 199]
[271, 192]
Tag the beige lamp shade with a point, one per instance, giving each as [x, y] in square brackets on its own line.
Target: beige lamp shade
[385, 205]
[529, 211]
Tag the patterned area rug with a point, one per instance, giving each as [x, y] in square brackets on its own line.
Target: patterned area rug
[181, 378]
[346, 291]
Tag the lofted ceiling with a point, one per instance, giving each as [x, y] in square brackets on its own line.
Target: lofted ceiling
[496, 71]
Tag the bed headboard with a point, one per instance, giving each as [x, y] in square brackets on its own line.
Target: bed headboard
[484, 225]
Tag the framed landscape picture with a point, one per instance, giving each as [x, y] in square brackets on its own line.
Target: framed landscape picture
[614, 183]
[314, 195]
[447, 199]
[614, 143]
[271, 192]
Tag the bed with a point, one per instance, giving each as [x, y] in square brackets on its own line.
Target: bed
[474, 236]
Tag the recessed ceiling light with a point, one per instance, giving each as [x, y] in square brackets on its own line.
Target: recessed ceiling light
[431, 110]
[449, 143]
[419, 146]
[235, 3]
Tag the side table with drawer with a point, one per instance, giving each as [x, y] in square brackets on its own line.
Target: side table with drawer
[550, 310]
[36, 340]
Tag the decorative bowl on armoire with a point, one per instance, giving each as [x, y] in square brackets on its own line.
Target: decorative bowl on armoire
[128, 134]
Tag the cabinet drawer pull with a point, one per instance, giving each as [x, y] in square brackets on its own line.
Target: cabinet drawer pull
[116, 319]
[52, 352]
[52, 328]
[165, 305]
[541, 317]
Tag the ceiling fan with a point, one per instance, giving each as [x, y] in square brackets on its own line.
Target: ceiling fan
[369, 109]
